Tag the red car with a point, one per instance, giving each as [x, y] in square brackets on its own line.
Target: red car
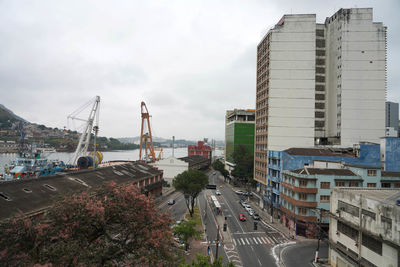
[242, 217]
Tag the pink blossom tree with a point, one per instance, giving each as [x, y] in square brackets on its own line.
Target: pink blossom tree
[114, 226]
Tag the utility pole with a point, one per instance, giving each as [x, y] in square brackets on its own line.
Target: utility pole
[319, 234]
[217, 241]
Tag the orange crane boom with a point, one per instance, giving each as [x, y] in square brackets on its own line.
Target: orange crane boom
[146, 139]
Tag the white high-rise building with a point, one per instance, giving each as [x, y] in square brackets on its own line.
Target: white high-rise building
[320, 84]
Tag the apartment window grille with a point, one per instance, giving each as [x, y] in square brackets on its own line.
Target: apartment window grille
[319, 105]
[371, 172]
[319, 114]
[325, 185]
[325, 198]
[319, 123]
[371, 185]
[302, 196]
[303, 183]
[353, 184]
[368, 213]
[302, 211]
[353, 210]
[319, 87]
[386, 185]
[339, 183]
[387, 221]
[319, 78]
[372, 243]
[347, 230]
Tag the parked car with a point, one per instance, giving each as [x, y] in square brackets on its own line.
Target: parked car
[256, 216]
[248, 208]
[215, 173]
[243, 203]
[242, 217]
[251, 212]
[247, 194]
[218, 192]
[171, 202]
[239, 192]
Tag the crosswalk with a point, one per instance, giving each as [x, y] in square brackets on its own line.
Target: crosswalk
[255, 240]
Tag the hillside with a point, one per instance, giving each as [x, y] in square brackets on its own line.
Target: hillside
[7, 115]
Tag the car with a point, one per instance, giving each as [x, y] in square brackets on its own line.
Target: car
[248, 208]
[242, 217]
[256, 216]
[243, 203]
[251, 212]
[247, 194]
[215, 173]
[239, 192]
[171, 202]
[218, 192]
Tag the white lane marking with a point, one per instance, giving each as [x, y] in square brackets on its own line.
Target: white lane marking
[247, 241]
[237, 220]
[255, 240]
[269, 240]
[241, 239]
[259, 262]
[234, 242]
[265, 240]
[259, 239]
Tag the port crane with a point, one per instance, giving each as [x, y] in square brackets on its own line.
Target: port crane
[84, 140]
[146, 139]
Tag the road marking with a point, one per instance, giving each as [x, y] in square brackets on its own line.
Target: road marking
[247, 241]
[259, 262]
[265, 240]
[234, 242]
[259, 239]
[255, 240]
[241, 239]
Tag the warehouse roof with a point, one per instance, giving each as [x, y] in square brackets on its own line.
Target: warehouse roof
[346, 152]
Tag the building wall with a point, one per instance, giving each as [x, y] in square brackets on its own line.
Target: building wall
[382, 232]
[292, 83]
[390, 153]
[238, 133]
[356, 76]
[171, 167]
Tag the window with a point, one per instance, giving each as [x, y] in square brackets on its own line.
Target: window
[371, 185]
[397, 185]
[371, 173]
[339, 183]
[368, 213]
[347, 230]
[372, 243]
[302, 211]
[324, 198]
[353, 210]
[302, 196]
[387, 221]
[386, 185]
[303, 183]
[353, 184]
[325, 185]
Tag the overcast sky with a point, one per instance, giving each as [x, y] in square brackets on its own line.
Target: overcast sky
[188, 60]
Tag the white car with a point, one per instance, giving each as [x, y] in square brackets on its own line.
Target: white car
[218, 192]
[239, 192]
[251, 212]
[244, 203]
[248, 208]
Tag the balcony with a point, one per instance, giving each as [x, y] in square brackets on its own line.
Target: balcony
[298, 217]
[307, 190]
[276, 191]
[299, 203]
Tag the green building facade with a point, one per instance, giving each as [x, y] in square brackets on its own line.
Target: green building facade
[239, 130]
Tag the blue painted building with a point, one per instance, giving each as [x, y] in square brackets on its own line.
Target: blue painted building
[307, 190]
[390, 153]
[295, 158]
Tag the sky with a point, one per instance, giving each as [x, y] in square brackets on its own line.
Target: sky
[189, 61]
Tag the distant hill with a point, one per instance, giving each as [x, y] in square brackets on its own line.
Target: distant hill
[162, 141]
[7, 117]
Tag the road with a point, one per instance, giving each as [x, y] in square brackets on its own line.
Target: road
[253, 246]
[303, 254]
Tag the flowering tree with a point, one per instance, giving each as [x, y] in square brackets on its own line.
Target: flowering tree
[115, 226]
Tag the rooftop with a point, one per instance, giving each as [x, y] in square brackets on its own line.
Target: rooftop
[324, 171]
[387, 195]
[346, 152]
[194, 159]
[29, 196]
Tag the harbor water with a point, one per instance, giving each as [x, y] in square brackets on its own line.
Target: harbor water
[6, 158]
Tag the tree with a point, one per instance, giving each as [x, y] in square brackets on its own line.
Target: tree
[187, 230]
[116, 226]
[190, 183]
[219, 166]
[244, 161]
[204, 261]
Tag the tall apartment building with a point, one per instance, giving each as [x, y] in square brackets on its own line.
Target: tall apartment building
[392, 119]
[239, 130]
[320, 84]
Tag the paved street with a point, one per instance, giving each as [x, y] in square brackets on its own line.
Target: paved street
[303, 254]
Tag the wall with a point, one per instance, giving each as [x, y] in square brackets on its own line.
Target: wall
[171, 167]
[390, 153]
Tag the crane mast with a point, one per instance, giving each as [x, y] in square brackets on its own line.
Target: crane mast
[146, 139]
[84, 139]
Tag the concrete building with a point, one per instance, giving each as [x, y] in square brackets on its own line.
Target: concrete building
[320, 84]
[364, 227]
[201, 149]
[171, 167]
[392, 119]
[307, 190]
[239, 130]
